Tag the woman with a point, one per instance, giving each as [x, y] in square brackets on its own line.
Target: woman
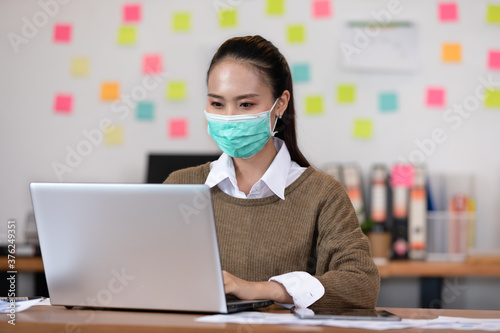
[286, 231]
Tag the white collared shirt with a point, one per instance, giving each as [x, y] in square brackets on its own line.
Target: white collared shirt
[303, 287]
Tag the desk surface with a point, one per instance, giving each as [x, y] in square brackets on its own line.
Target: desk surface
[58, 319]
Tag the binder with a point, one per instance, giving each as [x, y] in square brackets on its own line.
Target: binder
[417, 219]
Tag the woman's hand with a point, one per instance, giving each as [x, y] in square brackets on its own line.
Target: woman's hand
[255, 290]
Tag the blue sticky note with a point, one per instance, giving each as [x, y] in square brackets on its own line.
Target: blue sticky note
[300, 73]
[145, 111]
[388, 102]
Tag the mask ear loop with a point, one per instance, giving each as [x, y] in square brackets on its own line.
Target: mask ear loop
[273, 132]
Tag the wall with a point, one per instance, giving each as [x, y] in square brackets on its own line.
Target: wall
[39, 143]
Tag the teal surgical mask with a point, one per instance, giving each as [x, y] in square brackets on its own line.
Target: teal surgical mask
[241, 136]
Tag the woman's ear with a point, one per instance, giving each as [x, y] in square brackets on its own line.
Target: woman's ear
[282, 104]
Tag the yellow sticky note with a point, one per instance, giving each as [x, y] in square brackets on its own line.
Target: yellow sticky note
[363, 128]
[346, 94]
[228, 18]
[493, 14]
[126, 35]
[452, 52]
[275, 7]
[80, 66]
[314, 104]
[110, 91]
[492, 98]
[296, 34]
[176, 90]
[181, 21]
[114, 136]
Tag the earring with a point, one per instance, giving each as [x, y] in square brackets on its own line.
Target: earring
[280, 115]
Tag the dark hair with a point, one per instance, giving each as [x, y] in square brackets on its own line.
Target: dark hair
[273, 67]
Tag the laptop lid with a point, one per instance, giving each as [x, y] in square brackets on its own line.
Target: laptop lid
[130, 246]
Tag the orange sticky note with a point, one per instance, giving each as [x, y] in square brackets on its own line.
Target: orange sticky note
[110, 91]
[63, 103]
[177, 128]
[452, 52]
[62, 33]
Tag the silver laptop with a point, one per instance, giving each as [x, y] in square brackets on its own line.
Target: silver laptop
[131, 246]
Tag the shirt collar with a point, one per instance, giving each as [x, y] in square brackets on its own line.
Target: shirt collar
[275, 176]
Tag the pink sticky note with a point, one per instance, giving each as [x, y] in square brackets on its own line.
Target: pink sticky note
[434, 97]
[494, 60]
[62, 33]
[448, 12]
[177, 128]
[63, 103]
[151, 64]
[402, 175]
[321, 8]
[131, 13]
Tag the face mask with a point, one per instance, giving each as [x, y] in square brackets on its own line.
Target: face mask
[241, 136]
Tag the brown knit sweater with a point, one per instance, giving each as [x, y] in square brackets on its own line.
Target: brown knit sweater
[314, 229]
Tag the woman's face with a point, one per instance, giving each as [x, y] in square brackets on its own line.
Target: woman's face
[235, 88]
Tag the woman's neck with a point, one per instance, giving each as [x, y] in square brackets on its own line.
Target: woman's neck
[248, 171]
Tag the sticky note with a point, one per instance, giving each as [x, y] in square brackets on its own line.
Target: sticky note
[63, 103]
[181, 21]
[492, 98]
[152, 64]
[80, 67]
[451, 52]
[177, 128]
[314, 104]
[346, 94]
[145, 110]
[132, 13]
[494, 60]
[388, 101]
[321, 9]
[434, 97]
[114, 136]
[296, 34]
[126, 35]
[110, 91]
[62, 33]
[300, 73]
[448, 12]
[362, 129]
[275, 7]
[493, 14]
[176, 90]
[402, 175]
[228, 18]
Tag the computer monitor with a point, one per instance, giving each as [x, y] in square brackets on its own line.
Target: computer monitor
[161, 165]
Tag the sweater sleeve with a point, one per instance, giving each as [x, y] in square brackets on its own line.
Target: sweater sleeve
[343, 263]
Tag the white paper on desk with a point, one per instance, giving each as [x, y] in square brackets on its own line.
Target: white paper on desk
[19, 305]
[456, 323]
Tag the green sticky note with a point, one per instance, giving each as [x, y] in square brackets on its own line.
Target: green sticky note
[314, 104]
[181, 21]
[388, 102]
[363, 128]
[493, 14]
[126, 35]
[145, 111]
[346, 94]
[492, 98]
[296, 34]
[228, 18]
[300, 73]
[275, 7]
[176, 91]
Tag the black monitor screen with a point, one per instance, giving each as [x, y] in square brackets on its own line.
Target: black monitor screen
[161, 165]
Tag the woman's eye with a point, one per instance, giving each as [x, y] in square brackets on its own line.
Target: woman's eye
[246, 105]
[216, 104]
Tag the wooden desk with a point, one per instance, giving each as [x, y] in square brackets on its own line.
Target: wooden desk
[57, 319]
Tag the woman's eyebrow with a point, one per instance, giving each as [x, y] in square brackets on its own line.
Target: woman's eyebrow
[236, 98]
